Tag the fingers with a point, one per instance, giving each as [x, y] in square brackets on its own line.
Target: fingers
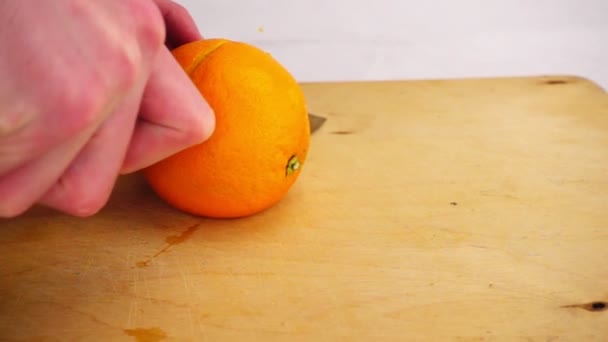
[86, 185]
[67, 61]
[56, 138]
[42, 128]
[173, 116]
[22, 187]
[180, 25]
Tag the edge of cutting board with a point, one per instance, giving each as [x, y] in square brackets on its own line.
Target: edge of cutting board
[549, 79]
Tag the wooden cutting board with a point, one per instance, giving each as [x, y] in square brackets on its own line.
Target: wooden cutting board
[467, 210]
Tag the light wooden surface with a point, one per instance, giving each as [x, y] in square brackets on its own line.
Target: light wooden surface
[472, 210]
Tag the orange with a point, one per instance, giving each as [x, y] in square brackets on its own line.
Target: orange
[261, 136]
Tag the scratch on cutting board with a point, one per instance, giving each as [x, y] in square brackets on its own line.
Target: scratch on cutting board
[170, 242]
[146, 289]
[132, 311]
[184, 278]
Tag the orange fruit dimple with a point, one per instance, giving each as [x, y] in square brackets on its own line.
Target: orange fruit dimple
[261, 135]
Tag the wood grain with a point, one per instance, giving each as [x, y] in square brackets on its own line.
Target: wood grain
[468, 210]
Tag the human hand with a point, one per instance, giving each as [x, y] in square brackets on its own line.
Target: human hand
[88, 90]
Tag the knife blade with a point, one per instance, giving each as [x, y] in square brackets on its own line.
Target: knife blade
[316, 122]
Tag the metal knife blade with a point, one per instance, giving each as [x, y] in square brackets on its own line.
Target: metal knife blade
[315, 122]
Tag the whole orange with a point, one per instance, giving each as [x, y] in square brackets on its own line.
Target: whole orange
[261, 135]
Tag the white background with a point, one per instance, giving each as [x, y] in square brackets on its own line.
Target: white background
[391, 39]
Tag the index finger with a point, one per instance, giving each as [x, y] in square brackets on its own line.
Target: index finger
[173, 116]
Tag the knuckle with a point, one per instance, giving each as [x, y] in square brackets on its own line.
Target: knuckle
[12, 121]
[149, 23]
[81, 103]
[126, 67]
